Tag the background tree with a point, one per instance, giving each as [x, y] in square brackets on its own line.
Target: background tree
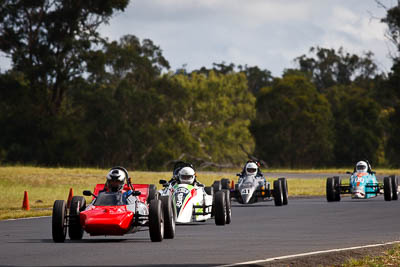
[218, 115]
[47, 39]
[357, 125]
[329, 67]
[392, 85]
[293, 127]
[127, 102]
[392, 20]
[47, 42]
[256, 77]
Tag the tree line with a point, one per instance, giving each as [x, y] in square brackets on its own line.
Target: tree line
[74, 98]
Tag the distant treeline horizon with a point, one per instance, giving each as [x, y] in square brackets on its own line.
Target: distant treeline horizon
[74, 98]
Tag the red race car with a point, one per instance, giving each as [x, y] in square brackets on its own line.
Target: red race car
[115, 213]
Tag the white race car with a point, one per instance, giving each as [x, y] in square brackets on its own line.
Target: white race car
[196, 203]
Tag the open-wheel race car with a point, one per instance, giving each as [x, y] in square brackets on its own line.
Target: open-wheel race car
[250, 190]
[115, 213]
[362, 185]
[253, 187]
[194, 202]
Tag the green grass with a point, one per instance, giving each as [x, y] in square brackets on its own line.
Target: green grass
[44, 185]
[391, 258]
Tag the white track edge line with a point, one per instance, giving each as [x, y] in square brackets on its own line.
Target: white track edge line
[309, 253]
[26, 218]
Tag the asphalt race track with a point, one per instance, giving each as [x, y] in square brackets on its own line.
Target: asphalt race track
[257, 231]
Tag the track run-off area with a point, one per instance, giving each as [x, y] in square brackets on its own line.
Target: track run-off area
[258, 231]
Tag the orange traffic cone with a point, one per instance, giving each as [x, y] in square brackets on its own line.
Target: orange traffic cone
[25, 203]
[232, 184]
[71, 194]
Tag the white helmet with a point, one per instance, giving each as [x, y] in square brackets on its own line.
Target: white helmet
[186, 175]
[251, 168]
[115, 180]
[361, 166]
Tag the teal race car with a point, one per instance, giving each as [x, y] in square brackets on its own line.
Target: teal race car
[363, 184]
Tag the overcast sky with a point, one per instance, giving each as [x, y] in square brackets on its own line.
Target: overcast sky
[265, 33]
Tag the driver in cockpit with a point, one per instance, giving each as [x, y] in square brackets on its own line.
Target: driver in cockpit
[252, 169]
[115, 181]
[362, 166]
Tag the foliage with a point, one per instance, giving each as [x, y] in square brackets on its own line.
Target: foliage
[357, 125]
[47, 40]
[216, 116]
[392, 20]
[256, 77]
[293, 126]
[126, 104]
[44, 185]
[73, 98]
[329, 67]
[390, 257]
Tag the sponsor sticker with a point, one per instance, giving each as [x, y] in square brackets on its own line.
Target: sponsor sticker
[183, 190]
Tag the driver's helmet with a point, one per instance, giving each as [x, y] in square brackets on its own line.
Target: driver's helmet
[251, 168]
[186, 175]
[115, 180]
[361, 166]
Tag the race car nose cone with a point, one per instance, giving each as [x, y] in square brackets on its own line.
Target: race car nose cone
[246, 198]
[358, 195]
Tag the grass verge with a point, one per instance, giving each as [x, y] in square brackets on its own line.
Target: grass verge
[391, 258]
[44, 185]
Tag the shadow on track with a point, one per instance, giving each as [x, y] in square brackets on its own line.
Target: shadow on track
[89, 241]
[210, 222]
[258, 205]
[152, 265]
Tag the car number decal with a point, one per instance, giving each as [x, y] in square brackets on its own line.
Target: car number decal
[179, 199]
[360, 179]
[246, 191]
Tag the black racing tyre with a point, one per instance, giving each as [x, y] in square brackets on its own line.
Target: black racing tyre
[387, 189]
[284, 190]
[278, 194]
[156, 221]
[330, 189]
[209, 190]
[59, 221]
[395, 184]
[337, 184]
[216, 186]
[225, 183]
[220, 208]
[152, 193]
[75, 230]
[169, 217]
[228, 206]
